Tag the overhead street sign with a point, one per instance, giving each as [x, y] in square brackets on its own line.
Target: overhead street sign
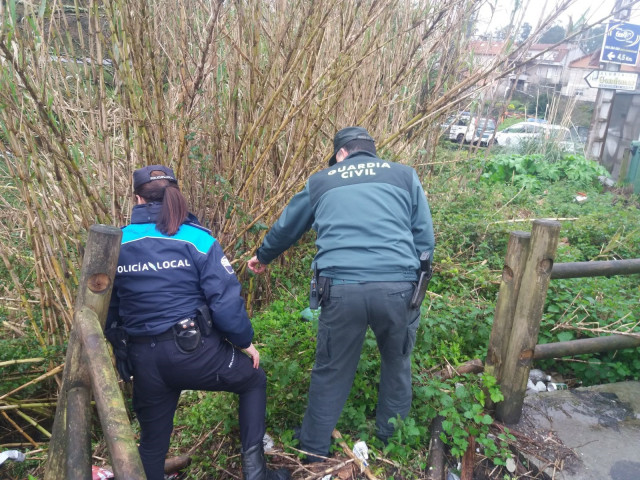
[621, 43]
[612, 80]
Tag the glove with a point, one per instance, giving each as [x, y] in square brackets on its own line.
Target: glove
[118, 338]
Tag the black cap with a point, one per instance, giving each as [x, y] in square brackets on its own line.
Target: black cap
[143, 175]
[344, 136]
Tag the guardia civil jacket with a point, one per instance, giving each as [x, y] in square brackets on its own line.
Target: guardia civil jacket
[162, 279]
[371, 216]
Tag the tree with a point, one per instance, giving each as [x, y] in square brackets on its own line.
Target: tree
[525, 31]
[591, 40]
[554, 35]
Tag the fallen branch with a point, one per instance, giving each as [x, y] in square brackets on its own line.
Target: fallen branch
[472, 366]
[330, 470]
[468, 459]
[435, 460]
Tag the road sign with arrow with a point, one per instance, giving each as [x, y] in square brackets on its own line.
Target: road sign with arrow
[612, 80]
[621, 43]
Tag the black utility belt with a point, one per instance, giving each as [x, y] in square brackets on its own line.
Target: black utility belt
[185, 333]
[168, 335]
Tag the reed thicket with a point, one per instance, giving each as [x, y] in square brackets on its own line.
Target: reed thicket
[242, 98]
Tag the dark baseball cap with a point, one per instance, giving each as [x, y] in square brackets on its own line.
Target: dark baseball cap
[143, 175]
[344, 136]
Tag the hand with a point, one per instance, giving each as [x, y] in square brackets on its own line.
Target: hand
[255, 266]
[253, 353]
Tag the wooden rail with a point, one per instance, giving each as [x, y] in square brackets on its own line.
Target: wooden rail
[529, 266]
[595, 269]
[585, 345]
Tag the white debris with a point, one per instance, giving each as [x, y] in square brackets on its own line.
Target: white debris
[267, 442]
[541, 386]
[361, 451]
[14, 455]
[536, 375]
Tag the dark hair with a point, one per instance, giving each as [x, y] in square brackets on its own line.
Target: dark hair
[174, 205]
[359, 145]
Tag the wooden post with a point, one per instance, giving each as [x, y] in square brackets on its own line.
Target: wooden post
[514, 264]
[527, 317]
[78, 421]
[94, 291]
[121, 443]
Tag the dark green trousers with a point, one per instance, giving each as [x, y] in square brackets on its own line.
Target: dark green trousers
[347, 312]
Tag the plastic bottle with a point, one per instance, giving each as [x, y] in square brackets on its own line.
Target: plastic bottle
[553, 386]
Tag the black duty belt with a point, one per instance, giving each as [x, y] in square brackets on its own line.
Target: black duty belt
[168, 335]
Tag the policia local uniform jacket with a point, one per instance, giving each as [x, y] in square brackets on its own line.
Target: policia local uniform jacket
[163, 279]
[371, 217]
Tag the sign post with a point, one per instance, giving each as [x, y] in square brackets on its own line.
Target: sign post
[612, 80]
[621, 43]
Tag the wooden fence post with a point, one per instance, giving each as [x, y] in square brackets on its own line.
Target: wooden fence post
[527, 317]
[514, 264]
[121, 443]
[94, 291]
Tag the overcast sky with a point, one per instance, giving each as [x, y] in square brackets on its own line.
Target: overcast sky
[592, 9]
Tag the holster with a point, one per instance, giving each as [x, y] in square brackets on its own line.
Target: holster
[324, 287]
[423, 280]
[314, 299]
[205, 322]
[318, 290]
[119, 340]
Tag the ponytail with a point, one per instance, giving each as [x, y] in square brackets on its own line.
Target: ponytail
[174, 206]
[174, 210]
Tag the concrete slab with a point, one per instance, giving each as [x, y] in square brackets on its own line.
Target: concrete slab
[590, 433]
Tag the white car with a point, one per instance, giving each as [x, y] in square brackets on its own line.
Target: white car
[468, 129]
[520, 133]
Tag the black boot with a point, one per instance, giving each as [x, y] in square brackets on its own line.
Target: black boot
[254, 466]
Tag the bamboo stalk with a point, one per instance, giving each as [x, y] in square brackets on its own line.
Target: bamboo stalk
[34, 424]
[42, 377]
[19, 429]
[22, 360]
[27, 405]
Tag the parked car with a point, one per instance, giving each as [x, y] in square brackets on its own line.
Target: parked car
[521, 133]
[469, 129]
[487, 137]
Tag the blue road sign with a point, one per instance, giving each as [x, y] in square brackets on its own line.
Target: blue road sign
[621, 43]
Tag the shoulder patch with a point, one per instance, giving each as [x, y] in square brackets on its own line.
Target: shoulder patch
[226, 264]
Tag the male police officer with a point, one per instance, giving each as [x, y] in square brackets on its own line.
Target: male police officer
[373, 222]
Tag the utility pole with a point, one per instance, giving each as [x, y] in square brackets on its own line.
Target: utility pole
[605, 97]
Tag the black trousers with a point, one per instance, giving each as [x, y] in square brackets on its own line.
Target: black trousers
[161, 372]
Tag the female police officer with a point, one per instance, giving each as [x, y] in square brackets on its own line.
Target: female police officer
[169, 269]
